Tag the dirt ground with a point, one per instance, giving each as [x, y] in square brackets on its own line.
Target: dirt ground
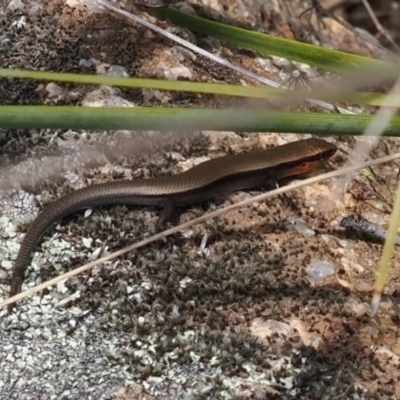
[231, 309]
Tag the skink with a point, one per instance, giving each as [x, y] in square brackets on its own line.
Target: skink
[204, 181]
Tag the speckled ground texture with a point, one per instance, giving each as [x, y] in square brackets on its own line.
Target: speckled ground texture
[227, 310]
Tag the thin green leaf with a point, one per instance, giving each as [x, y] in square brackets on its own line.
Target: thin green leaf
[264, 44]
[166, 119]
[370, 98]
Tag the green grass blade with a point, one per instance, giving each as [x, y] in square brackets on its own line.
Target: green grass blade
[264, 44]
[166, 119]
[387, 253]
[370, 98]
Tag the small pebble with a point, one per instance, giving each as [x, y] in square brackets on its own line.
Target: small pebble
[317, 271]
